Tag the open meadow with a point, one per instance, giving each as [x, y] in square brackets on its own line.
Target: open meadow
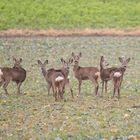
[35, 115]
[64, 14]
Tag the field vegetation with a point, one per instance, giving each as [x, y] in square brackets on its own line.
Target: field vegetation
[67, 14]
[35, 115]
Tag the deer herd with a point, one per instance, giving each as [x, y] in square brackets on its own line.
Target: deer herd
[58, 79]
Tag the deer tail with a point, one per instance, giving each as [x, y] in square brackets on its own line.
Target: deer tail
[1, 73]
[59, 79]
[117, 74]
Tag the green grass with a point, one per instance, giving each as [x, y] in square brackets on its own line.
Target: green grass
[35, 115]
[61, 14]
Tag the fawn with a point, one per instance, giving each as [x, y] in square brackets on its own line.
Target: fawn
[54, 78]
[85, 73]
[16, 74]
[118, 75]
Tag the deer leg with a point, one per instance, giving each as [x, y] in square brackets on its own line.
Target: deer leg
[118, 93]
[114, 91]
[1, 82]
[49, 87]
[95, 82]
[70, 88]
[102, 87]
[61, 94]
[96, 87]
[79, 87]
[105, 86]
[55, 94]
[54, 91]
[18, 87]
[5, 86]
[121, 81]
[61, 89]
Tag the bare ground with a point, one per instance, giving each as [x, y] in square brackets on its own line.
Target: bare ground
[70, 32]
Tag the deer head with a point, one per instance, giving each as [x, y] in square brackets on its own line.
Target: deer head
[103, 62]
[17, 63]
[124, 61]
[66, 64]
[76, 57]
[42, 65]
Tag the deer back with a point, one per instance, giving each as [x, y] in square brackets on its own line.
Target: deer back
[18, 74]
[85, 72]
[14, 74]
[106, 74]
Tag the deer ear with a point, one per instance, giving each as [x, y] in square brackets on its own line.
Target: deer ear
[102, 57]
[20, 60]
[107, 64]
[120, 59]
[70, 60]
[39, 62]
[46, 62]
[72, 54]
[14, 58]
[80, 54]
[128, 60]
[62, 60]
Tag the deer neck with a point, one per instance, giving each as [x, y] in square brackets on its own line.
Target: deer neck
[44, 71]
[17, 67]
[101, 67]
[76, 67]
[65, 71]
[123, 69]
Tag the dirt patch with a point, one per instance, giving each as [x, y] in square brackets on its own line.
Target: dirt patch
[70, 32]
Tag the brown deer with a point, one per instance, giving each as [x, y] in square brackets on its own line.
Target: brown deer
[106, 73]
[54, 78]
[118, 75]
[65, 71]
[85, 73]
[16, 74]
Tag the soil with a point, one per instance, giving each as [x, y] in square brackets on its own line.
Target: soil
[70, 32]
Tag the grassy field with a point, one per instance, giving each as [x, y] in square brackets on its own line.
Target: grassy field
[35, 115]
[61, 14]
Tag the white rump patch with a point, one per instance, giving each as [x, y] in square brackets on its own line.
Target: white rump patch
[68, 77]
[117, 74]
[97, 73]
[59, 78]
[1, 73]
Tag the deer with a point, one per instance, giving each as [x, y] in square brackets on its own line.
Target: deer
[118, 75]
[65, 71]
[54, 79]
[16, 74]
[106, 73]
[85, 73]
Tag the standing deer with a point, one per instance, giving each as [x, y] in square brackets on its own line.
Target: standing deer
[54, 78]
[118, 75]
[106, 74]
[65, 71]
[16, 74]
[85, 73]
